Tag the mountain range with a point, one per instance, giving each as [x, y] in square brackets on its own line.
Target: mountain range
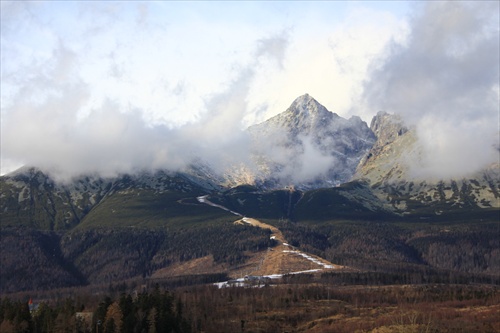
[334, 187]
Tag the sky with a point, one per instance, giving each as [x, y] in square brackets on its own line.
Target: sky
[111, 87]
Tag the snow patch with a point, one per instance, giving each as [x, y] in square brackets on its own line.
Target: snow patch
[310, 258]
[23, 195]
[245, 282]
[203, 199]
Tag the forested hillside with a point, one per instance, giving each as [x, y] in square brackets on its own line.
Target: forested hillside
[142, 230]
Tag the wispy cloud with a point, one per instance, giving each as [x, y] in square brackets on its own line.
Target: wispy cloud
[50, 132]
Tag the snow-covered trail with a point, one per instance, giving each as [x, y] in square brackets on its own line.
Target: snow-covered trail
[203, 199]
[274, 260]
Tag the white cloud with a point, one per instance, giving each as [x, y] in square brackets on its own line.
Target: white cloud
[311, 163]
[442, 81]
[326, 60]
[52, 134]
[155, 84]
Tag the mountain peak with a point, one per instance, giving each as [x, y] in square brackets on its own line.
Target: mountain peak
[306, 104]
[304, 99]
[387, 127]
[316, 146]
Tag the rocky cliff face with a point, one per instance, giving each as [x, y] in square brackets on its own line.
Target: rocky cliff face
[309, 147]
[385, 161]
[386, 168]
[31, 198]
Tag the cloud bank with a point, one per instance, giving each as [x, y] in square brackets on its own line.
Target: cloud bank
[111, 139]
[444, 81]
[110, 88]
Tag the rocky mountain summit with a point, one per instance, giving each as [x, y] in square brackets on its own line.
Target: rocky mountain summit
[309, 147]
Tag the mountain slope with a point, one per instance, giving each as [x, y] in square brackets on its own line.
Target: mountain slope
[32, 198]
[131, 226]
[32, 260]
[387, 169]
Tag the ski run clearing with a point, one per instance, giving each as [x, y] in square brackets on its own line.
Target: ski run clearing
[281, 260]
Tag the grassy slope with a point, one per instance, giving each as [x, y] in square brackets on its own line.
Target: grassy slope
[147, 209]
[248, 201]
[328, 204]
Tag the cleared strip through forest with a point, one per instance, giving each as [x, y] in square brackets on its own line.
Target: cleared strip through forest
[282, 259]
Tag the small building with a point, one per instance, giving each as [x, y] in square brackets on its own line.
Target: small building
[33, 307]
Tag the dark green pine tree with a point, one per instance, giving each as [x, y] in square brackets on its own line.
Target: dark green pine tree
[22, 320]
[129, 313]
[100, 314]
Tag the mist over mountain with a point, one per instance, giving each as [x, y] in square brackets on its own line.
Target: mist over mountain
[305, 146]
[437, 68]
[308, 146]
[444, 82]
[311, 173]
[395, 169]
